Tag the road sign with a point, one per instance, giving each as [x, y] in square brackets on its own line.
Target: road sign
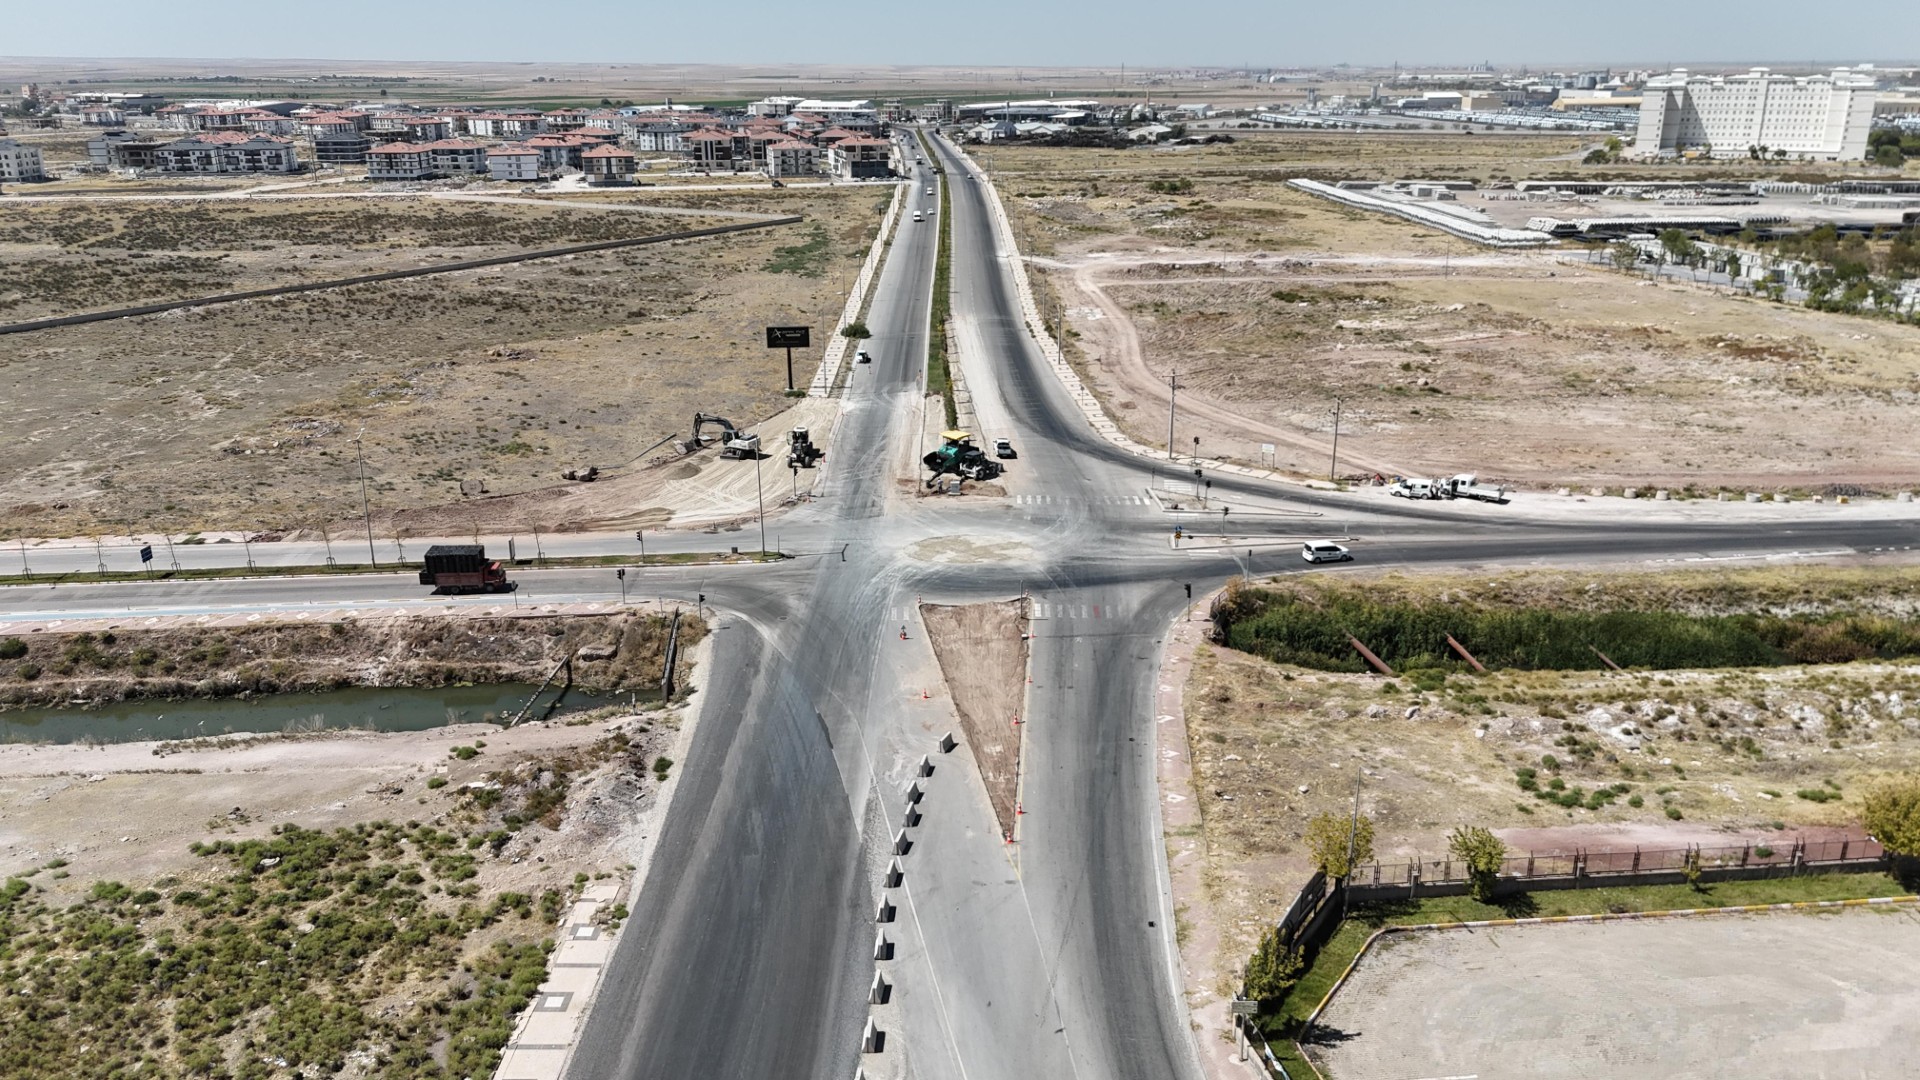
[1246, 1008]
[146, 553]
[789, 337]
[1266, 448]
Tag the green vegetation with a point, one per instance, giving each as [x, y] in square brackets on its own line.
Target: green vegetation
[296, 952]
[12, 648]
[1281, 1019]
[1309, 627]
[1891, 813]
[856, 330]
[1483, 853]
[1340, 842]
[807, 258]
[939, 375]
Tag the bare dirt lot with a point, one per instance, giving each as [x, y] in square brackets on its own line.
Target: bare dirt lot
[982, 649]
[1786, 995]
[1711, 757]
[1525, 367]
[245, 415]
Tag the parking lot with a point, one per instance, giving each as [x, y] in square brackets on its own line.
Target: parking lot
[1788, 995]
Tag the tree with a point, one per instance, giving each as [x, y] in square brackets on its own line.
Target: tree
[1679, 245]
[1625, 256]
[1271, 970]
[1332, 836]
[1889, 157]
[1483, 853]
[1891, 814]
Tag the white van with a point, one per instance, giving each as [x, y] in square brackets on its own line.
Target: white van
[1319, 551]
[916, 215]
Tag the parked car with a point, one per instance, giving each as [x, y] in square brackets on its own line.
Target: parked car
[1319, 551]
[1003, 448]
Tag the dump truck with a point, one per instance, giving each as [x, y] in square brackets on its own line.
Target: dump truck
[957, 455]
[801, 452]
[463, 568]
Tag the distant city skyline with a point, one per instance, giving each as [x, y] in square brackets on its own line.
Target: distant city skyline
[1215, 33]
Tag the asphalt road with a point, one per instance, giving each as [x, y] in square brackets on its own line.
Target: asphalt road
[748, 953]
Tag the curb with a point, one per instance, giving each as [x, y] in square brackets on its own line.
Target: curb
[836, 352]
[1625, 916]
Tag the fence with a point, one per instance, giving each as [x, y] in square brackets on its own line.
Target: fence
[1611, 866]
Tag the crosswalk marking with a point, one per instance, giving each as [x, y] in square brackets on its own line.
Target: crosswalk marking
[1104, 500]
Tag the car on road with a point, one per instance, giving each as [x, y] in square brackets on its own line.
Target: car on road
[929, 191]
[1003, 448]
[916, 215]
[863, 357]
[1319, 551]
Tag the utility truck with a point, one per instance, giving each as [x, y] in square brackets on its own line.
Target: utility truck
[958, 455]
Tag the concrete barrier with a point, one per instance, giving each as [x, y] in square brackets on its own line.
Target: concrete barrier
[872, 1040]
[1753, 496]
[901, 845]
[880, 991]
[913, 818]
[926, 766]
[882, 948]
[947, 744]
[914, 793]
[894, 875]
[885, 913]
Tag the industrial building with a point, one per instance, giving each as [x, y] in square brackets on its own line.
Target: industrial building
[1824, 117]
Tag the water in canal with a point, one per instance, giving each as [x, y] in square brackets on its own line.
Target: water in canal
[363, 708]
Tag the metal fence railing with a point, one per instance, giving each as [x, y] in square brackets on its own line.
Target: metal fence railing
[1787, 856]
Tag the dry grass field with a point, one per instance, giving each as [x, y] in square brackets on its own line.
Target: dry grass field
[1706, 756]
[1530, 367]
[245, 415]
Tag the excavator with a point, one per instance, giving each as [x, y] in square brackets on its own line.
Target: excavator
[733, 442]
[958, 455]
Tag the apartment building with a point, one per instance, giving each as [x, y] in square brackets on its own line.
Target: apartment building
[792, 158]
[860, 158]
[514, 162]
[348, 149]
[20, 162]
[227, 152]
[1823, 117]
[608, 165]
[423, 161]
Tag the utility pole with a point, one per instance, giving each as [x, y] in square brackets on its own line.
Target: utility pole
[1333, 466]
[1173, 387]
[366, 506]
[760, 498]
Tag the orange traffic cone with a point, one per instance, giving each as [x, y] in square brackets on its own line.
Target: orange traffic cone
[923, 695]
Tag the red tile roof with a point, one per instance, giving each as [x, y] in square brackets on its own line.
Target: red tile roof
[607, 152]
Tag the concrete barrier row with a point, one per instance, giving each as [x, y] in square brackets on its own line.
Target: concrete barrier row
[836, 351]
[873, 1040]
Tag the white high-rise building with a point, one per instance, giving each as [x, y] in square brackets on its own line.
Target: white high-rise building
[1815, 116]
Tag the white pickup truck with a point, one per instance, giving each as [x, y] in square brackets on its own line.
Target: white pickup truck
[1462, 486]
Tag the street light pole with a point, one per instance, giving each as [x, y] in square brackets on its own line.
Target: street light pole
[366, 506]
[760, 498]
[1173, 388]
[1333, 466]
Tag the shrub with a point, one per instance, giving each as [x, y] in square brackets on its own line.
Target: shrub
[27, 672]
[1818, 795]
[465, 753]
[856, 330]
[1673, 813]
[1891, 813]
[436, 781]
[1330, 837]
[1483, 853]
[1271, 970]
[1636, 801]
[12, 648]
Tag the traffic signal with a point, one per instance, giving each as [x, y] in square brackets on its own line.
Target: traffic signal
[1189, 590]
[620, 573]
[640, 534]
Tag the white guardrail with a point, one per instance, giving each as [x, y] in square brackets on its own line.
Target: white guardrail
[836, 353]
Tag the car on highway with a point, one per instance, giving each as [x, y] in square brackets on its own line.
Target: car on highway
[916, 215]
[1003, 448]
[929, 191]
[863, 357]
[1319, 551]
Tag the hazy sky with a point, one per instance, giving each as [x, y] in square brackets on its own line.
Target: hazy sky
[986, 32]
